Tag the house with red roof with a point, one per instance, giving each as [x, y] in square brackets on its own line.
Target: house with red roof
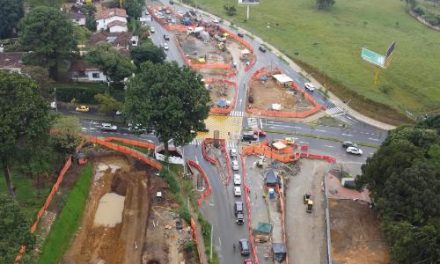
[115, 18]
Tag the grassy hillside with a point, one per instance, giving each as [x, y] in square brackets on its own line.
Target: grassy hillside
[330, 42]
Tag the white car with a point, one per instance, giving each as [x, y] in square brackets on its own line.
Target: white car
[235, 166]
[237, 179]
[354, 151]
[108, 127]
[237, 191]
[309, 86]
[152, 29]
[233, 152]
[215, 20]
[165, 46]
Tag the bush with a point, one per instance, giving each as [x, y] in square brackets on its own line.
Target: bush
[432, 19]
[230, 10]
[184, 214]
[80, 93]
[172, 183]
[420, 10]
[189, 246]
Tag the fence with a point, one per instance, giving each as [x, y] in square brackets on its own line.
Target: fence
[283, 155]
[208, 189]
[262, 112]
[196, 236]
[128, 151]
[46, 204]
[219, 110]
[248, 209]
[212, 160]
[137, 143]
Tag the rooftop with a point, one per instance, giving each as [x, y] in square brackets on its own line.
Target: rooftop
[11, 60]
[107, 13]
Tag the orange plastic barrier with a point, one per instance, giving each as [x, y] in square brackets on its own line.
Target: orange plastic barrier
[46, 204]
[219, 110]
[284, 155]
[208, 189]
[262, 112]
[213, 161]
[133, 153]
[195, 238]
[137, 143]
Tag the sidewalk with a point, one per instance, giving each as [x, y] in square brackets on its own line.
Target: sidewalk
[298, 69]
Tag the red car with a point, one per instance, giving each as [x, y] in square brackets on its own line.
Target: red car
[259, 133]
[247, 261]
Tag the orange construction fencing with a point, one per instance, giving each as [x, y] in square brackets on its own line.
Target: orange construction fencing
[238, 39]
[128, 151]
[138, 143]
[208, 189]
[283, 155]
[219, 110]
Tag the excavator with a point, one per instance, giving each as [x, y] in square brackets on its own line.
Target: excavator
[308, 202]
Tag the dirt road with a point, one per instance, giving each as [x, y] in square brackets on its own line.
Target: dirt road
[306, 232]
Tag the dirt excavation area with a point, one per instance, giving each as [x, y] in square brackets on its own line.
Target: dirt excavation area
[117, 218]
[355, 233]
[265, 93]
[221, 94]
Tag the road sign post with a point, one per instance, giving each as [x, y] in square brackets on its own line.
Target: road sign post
[377, 60]
[248, 3]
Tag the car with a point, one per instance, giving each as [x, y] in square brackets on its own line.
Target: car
[238, 207]
[248, 261]
[237, 179]
[290, 140]
[108, 127]
[235, 166]
[233, 152]
[309, 86]
[237, 191]
[82, 108]
[347, 144]
[152, 29]
[262, 48]
[166, 37]
[215, 20]
[165, 46]
[354, 151]
[240, 219]
[259, 133]
[53, 105]
[241, 35]
[244, 247]
[249, 136]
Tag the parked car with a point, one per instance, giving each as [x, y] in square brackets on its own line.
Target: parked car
[82, 108]
[237, 191]
[347, 144]
[249, 136]
[235, 166]
[289, 140]
[237, 179]
[244, 247]
[108, 127]
[262, 48]
[354, 151]
[259, 133]
[238, 207]
[241, 35]
[152, 29]
[239, 219]
[165, 46]
[248, 261]
[309, 86]
[166, 37]
[233, 153]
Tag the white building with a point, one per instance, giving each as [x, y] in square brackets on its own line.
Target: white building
[82, 71]
[117, 26]
[78, 18]
[108, 16]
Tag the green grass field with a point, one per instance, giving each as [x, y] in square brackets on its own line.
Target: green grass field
[67, 222]
[330, 42]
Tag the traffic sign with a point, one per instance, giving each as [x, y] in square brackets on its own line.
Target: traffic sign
[249, 2]
[390, 49]
[373, 57]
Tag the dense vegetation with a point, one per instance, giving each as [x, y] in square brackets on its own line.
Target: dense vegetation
[404, 179]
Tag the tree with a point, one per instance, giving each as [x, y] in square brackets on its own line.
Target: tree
[66, 134]
[230, 10]
[11, 12]
[15, 230]
[49, 35]
[403, 178]
[40, 76]
[147, 51]
[113, 64]
[171, 100]
[108, 104]
[24, 121]
[89, 11]
[324, 4]
[133, 8]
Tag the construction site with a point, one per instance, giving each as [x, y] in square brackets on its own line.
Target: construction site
[129, 217]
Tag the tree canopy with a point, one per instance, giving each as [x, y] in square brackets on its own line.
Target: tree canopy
[66, 134]
[134, 8]
[49, 35]
[403, 178]
[108, 104]
[114, 65]
[147, 51]
[324, 4]
[24, 120]
[171, 100]
[15, 230]
[11, 12]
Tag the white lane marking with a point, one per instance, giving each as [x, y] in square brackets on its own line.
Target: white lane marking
[219, 241]
[371, 153]
[347, 135]
[328, 146]
[374, 139]
[321, 130]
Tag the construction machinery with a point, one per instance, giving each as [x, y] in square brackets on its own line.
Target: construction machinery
[307, 198]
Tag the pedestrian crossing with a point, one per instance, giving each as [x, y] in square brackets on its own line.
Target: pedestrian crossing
[252, 122]
[334, 111]
[237, 113]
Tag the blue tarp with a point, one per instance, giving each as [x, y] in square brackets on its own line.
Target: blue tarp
[221, 103]
[263, 78]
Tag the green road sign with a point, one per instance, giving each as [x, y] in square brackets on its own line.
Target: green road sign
[373, 57]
